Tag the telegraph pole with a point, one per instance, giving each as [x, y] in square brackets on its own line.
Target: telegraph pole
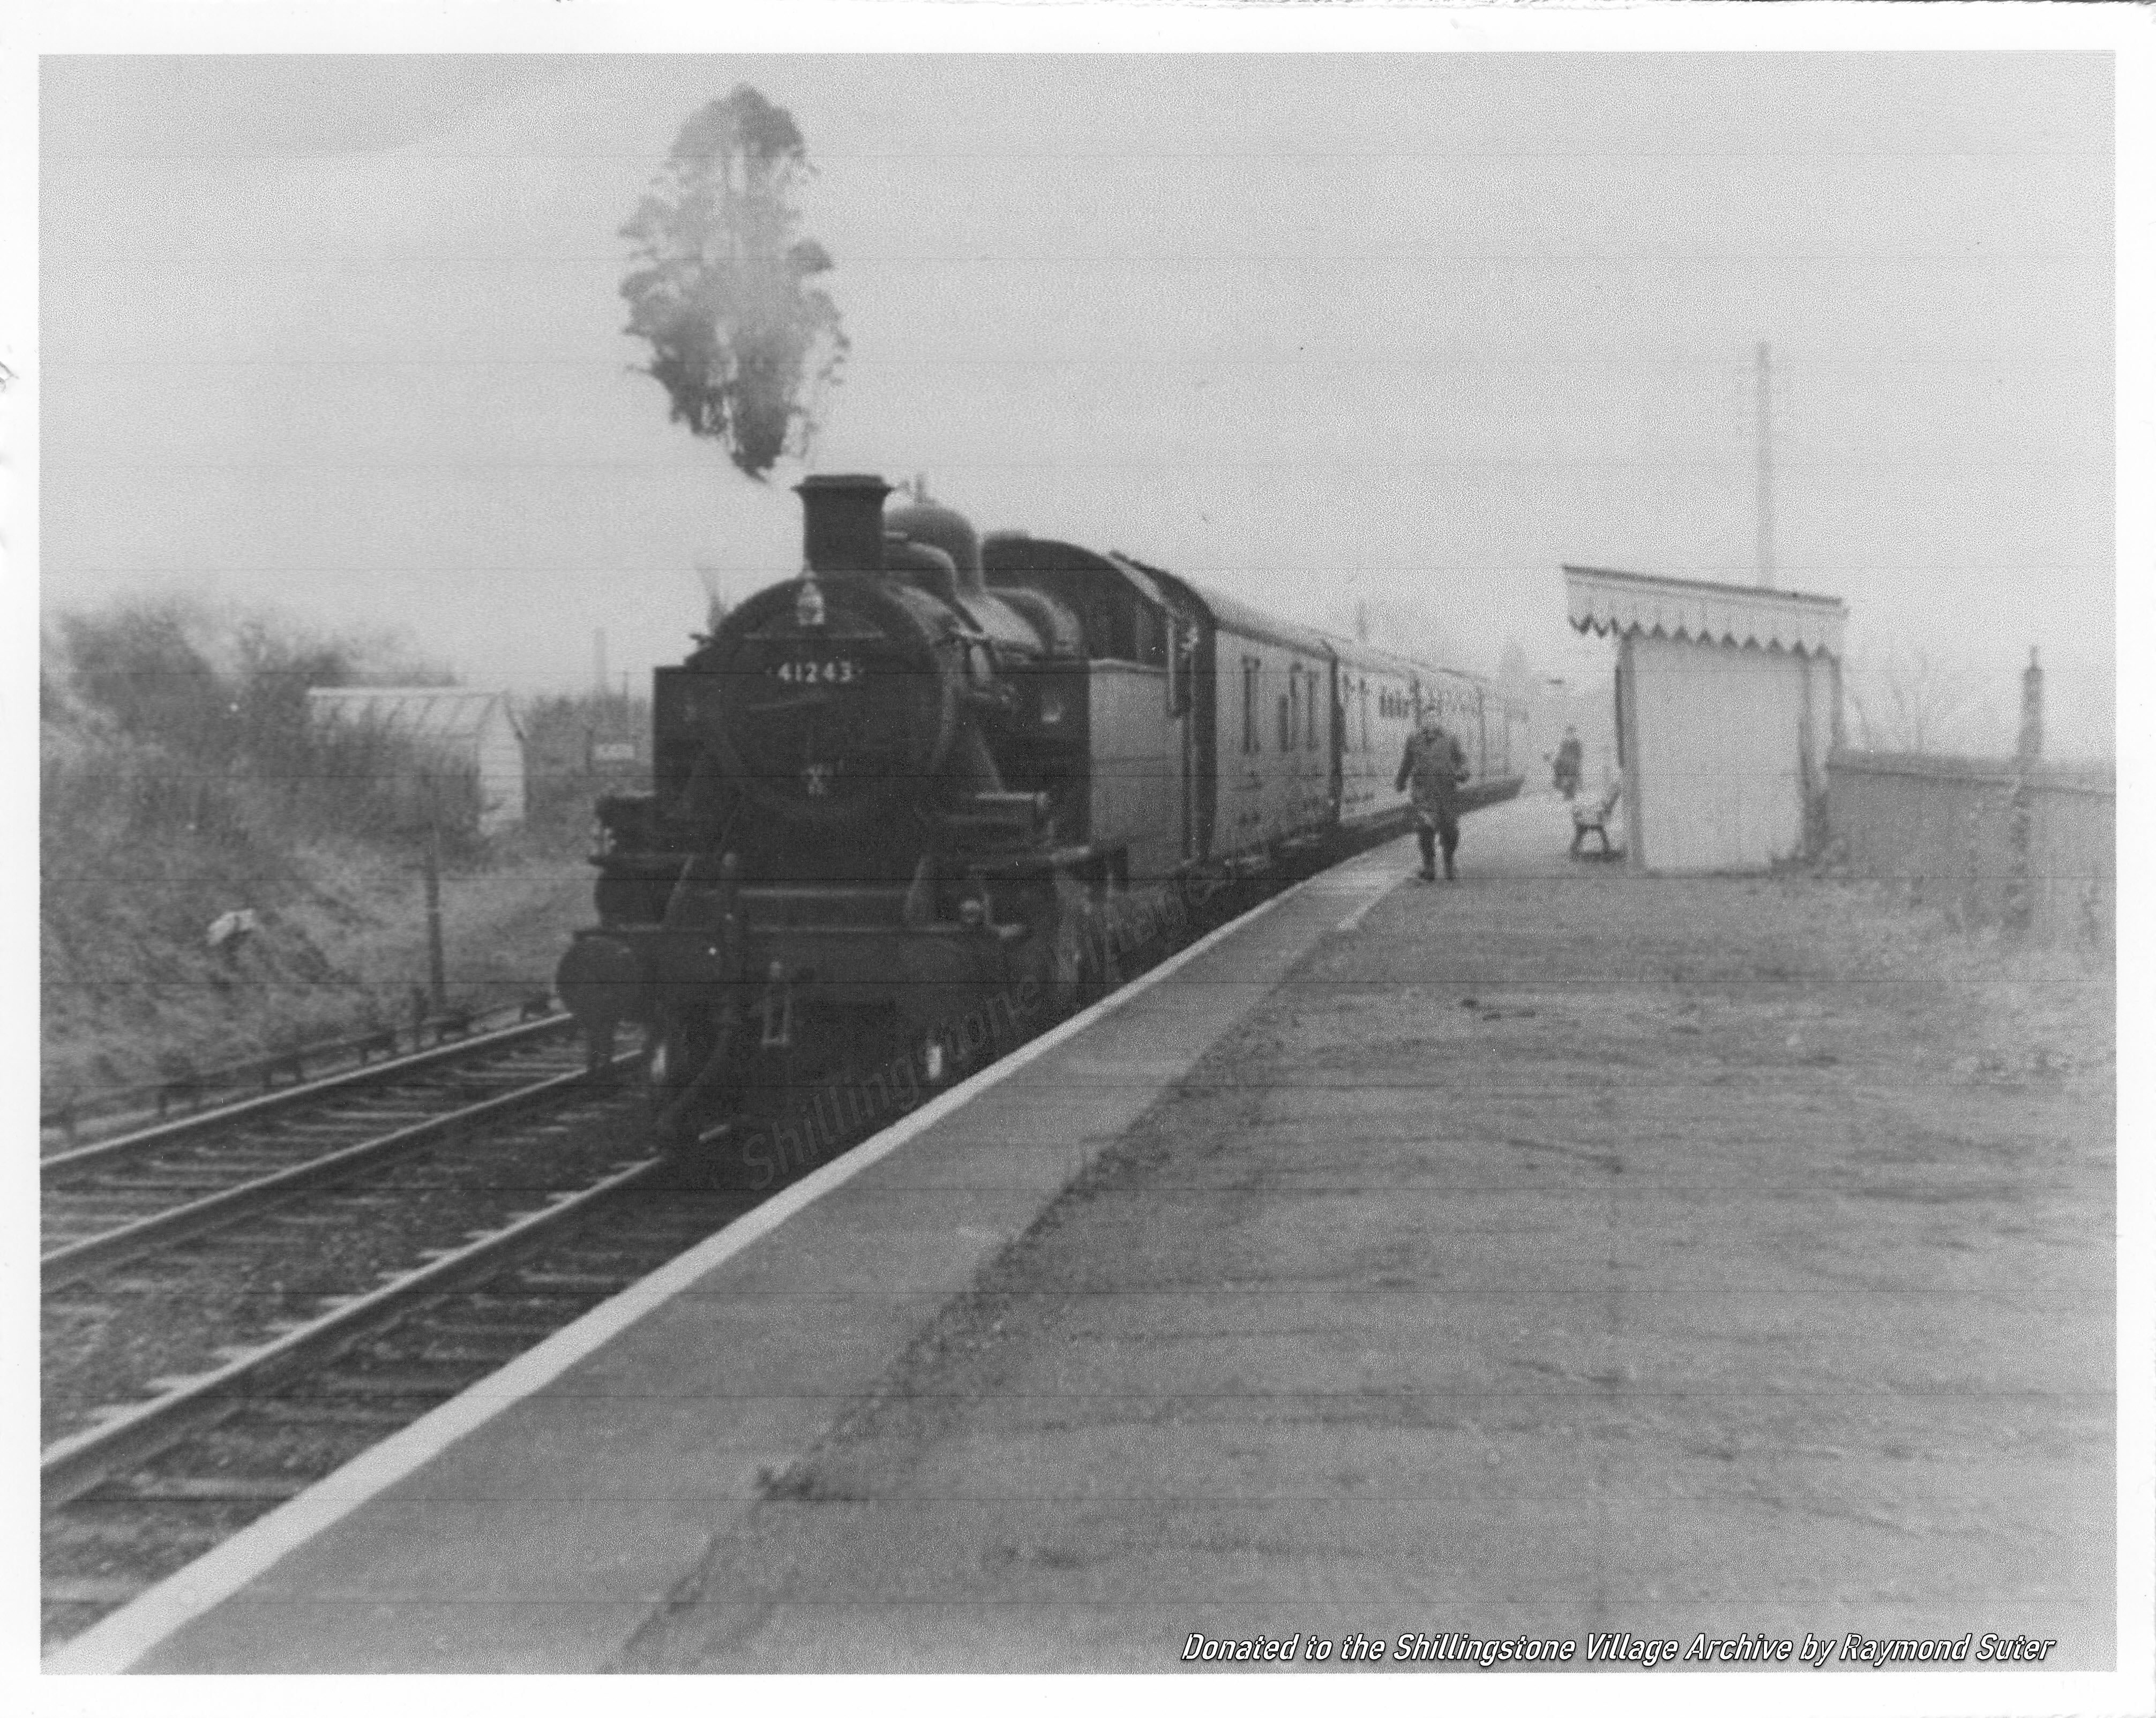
[1764, 568]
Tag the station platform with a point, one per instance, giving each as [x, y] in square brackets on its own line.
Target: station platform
[1554, 1253]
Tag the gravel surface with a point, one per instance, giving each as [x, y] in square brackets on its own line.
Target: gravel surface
[118, 1338]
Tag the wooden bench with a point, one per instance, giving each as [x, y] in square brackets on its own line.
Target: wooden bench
[1594, 821]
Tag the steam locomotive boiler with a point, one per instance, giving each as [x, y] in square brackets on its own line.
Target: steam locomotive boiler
[895, 799]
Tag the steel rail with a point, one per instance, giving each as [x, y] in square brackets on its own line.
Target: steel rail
[75, 1463]
[79, 1258]
[307, 1091]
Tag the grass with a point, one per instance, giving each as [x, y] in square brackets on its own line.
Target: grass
[180, 780]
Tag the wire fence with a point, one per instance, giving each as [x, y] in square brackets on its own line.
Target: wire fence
[186, 1089]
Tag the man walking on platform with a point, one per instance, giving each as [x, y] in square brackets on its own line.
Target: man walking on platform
[1434, 767]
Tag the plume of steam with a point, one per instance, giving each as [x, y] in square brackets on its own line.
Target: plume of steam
[715, 601]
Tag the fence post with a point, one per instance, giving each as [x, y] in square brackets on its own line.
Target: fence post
[2028, 746]
[437, 979]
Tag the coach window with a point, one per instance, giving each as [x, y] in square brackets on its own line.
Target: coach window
[1310, 716]
[1249, 704]
[1286, 733]
[1362, 709]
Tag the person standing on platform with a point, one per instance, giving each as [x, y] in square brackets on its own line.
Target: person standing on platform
[1568, 763]
[1432, 768]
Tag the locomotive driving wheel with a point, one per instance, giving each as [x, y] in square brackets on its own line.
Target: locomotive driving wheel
[684, 1063]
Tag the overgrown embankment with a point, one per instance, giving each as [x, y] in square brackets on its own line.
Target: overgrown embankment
[181, 781]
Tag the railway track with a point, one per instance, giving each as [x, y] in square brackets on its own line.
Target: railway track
[238, 1303]
[104, 1203]
[178, 1477]
[239, 1245]
[332, 1301]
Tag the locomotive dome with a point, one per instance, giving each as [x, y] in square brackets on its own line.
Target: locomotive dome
[944, 529]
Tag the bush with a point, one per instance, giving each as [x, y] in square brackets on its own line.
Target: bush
[138, 664]
[191, 748]
[180, 777]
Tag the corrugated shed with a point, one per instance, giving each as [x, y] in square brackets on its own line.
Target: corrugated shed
[1601, 601]
[450, 714]
[478, 729]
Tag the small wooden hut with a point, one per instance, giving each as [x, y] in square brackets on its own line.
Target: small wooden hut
[1728, 705]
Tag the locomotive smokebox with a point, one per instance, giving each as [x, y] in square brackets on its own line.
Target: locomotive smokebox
[842, 523]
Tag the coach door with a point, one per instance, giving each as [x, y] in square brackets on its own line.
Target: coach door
[1337, 699]
[1183, 714]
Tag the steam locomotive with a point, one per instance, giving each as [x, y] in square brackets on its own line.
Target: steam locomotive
[933, 769]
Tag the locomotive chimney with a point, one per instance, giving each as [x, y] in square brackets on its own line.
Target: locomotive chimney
[842, 523]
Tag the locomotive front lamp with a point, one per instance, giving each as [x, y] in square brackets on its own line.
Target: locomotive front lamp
[809, 605]
[1052, 709]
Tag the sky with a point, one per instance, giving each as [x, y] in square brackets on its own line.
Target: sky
[342, 335]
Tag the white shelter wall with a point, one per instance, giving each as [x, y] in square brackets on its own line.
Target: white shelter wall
[1722, 752]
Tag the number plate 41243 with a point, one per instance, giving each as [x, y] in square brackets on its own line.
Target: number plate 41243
[832, 670]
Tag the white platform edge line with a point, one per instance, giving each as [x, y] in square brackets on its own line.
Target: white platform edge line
[114, 1644]
[1361, 907]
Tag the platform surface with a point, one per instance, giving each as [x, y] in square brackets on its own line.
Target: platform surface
[1560, 1253]
[1557, 1252]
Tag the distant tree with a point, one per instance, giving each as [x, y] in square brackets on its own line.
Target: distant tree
[1415, 627]
[722, 289]
[1914, 702]
[139, 663]
[275, 673]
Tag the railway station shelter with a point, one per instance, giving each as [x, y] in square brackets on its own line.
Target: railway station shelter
[1729, 703]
